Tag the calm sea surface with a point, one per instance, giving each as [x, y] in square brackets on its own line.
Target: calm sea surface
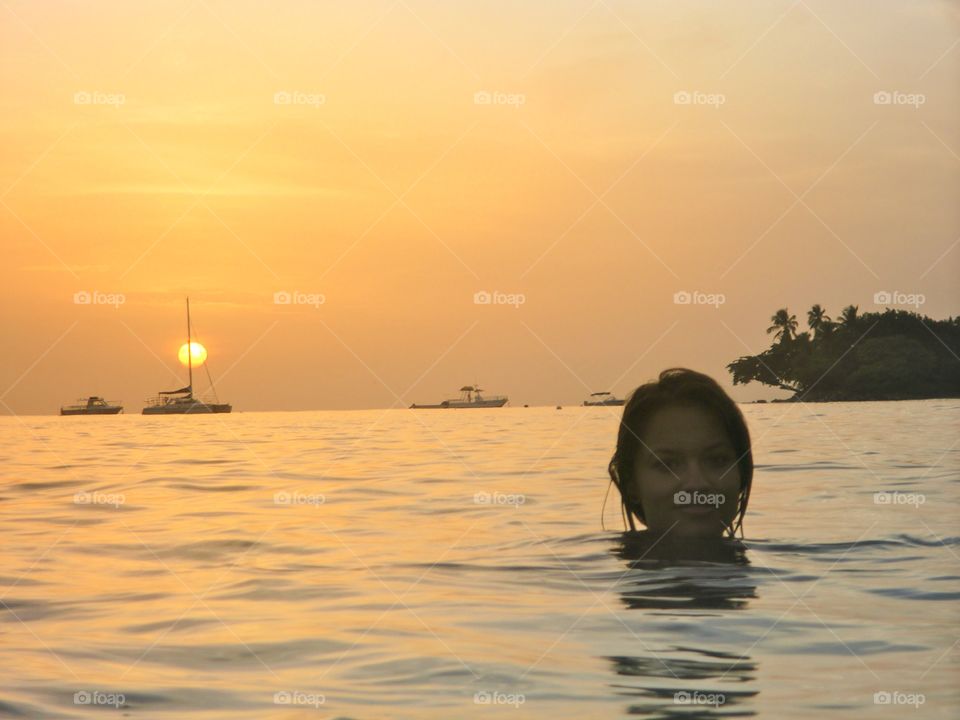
[451, 564]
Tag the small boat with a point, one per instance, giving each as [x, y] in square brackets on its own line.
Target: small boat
[470, 397]
[182, 401]
[602, 399]
[92, 405]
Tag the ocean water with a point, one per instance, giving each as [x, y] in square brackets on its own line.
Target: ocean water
[452, 564]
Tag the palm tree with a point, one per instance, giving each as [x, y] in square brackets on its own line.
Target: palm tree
[849, 315]
[784, 325]
[818, 320]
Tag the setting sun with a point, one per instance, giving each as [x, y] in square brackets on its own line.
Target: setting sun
[198, 351]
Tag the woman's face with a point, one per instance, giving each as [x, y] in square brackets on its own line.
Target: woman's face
[685, 474]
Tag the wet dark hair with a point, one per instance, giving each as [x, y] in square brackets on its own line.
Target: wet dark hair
[679, 386]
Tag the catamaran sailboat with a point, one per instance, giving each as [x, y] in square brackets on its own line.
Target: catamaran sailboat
[470, 397]
[182, 401]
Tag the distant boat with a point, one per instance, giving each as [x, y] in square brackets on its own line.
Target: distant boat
[92, 405]
[182, 401]
[470, 397]
[602, 398]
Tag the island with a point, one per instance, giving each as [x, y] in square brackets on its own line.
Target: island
[890, 355]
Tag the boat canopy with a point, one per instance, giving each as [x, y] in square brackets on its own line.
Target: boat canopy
[187, 389]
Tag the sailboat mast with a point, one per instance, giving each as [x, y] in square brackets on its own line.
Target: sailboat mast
[189, 351]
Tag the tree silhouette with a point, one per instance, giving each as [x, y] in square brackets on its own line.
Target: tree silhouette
[818, 320]
[894, 355]
[848, 316]
[784, 325]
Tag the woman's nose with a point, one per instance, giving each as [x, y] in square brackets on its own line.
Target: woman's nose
[695, 475]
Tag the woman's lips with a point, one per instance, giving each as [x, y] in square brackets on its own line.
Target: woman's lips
[697, 509]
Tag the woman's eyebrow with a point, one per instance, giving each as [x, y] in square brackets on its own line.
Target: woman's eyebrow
[719, 445]
[664, 451]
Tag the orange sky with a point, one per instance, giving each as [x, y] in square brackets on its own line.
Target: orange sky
[147, 154]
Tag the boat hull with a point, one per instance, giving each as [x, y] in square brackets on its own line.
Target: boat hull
[95, 411]
[458, 405]
[604, 403]
[195, 408]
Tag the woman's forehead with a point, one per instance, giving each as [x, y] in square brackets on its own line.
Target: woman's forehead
[683, 428]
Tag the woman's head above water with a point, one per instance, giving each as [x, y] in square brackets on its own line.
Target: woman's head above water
[683, 463]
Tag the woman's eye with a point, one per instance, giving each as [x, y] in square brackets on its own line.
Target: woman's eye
[721, 460]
